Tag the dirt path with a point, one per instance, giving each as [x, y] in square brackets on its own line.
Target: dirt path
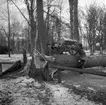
[65, 96]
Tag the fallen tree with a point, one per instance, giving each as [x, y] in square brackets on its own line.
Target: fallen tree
[92, 61]
[75, 62]
[59, 62]
[17, 66]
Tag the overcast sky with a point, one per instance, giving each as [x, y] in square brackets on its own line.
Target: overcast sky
[87, 2]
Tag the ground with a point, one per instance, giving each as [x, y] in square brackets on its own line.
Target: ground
[27, 91]
[75, 89]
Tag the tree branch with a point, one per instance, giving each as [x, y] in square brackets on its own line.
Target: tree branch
[21, 12]
[59, 20]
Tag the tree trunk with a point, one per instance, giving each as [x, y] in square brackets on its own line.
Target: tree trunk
[72, 61]
[8, 27]
[30, 7]
[58, 28]
[65, 60]
[41, 27]
[101, 44]
[73, 4]
[76, 30]
[101, 50]
[71, 18]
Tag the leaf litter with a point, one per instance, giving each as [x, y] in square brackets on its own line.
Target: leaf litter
[27, 91]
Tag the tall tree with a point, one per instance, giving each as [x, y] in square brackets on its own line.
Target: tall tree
[8, 11]
[76, 25]
[71, 18]
[100, 29]
[41, 26]
[30, 7]
[92, 23]
[73, 4]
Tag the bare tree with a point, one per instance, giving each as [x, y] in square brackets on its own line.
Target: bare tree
[91, 26]
[30, 8]
[100, 28]
[16, 28]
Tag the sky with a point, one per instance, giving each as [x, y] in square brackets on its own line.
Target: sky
[88, 2]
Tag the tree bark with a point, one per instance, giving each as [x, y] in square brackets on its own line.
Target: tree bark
[72, 61]
[41, 27]
[71, 18]
[94, 61]
[76, 24]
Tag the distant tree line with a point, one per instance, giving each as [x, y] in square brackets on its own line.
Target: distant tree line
[95, 28]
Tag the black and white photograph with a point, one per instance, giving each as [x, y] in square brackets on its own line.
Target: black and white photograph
[52, 52]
